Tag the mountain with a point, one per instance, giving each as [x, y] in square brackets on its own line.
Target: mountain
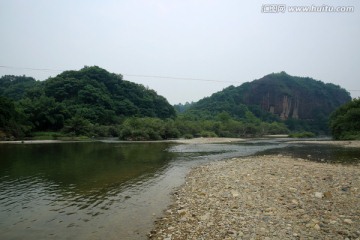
[278, 96]
[91, 94]
[94, 87]
[95, 102]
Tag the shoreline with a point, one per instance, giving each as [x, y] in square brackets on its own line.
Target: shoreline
[265, 197]
[208, 140]
[343, 143]
[182, 141]
[42, 141]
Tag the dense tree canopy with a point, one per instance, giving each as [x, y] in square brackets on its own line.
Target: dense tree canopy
[345, 121]
[95, 103]
[15, 87]
[91, 93]
[10, 120]
[302, 103]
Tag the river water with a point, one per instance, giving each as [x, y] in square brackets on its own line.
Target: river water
[109, 189]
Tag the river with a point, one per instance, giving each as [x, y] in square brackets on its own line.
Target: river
[109, 189]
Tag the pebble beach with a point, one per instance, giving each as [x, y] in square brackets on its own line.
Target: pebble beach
[265, 197]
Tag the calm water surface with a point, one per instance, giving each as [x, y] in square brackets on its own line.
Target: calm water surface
[102, 190]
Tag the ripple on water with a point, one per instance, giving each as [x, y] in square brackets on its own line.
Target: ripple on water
[89, 196]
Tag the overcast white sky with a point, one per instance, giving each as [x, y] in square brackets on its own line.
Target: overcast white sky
[227, 40]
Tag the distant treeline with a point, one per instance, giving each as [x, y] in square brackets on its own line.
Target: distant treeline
[92, 102]
[140, 128]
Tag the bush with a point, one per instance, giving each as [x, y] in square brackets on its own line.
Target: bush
[208, 134]
[302, 135]
[345, 121]
[78, 126]
[141, 129]
[188, 136]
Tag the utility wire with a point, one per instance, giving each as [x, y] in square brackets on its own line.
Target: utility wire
[179, 78]
[135, 75]
[32, 69]
[129, 75]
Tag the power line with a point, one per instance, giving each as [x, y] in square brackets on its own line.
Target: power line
[136, 75]
[129, 75]
[32, 69]
[179, 78]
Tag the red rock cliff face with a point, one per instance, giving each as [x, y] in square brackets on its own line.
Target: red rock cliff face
[288, 107]
[283, 95]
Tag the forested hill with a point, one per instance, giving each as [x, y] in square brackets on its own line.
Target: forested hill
[92, 102]
[108, 93]
[92, 94]
[277, 95]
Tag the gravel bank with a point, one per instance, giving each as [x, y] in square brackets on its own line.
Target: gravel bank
[268, 197]
[208, 140]
[354, 144]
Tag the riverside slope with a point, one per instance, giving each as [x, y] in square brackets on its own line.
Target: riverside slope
[265, 197]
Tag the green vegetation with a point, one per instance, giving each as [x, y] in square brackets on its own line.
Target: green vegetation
[345, 121]
[302, 135]
[157, 129]
[180, 108]
[15, 87]
[10, 121]
[75, 103]
[92, 103]
[303, 104]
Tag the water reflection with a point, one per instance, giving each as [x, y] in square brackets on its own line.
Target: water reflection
[46, 189]
[110, 190]
[83, 167]
[319, 153]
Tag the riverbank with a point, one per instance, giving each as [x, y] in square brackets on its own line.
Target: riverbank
[41, 141]
[201, 140]
[265, 197]
[204, 140]
[183, 141]
[344, 143]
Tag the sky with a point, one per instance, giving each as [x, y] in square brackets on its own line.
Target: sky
[183, 49]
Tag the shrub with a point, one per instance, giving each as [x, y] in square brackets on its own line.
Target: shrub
[345, 121]
[208, 134]
[302, 135]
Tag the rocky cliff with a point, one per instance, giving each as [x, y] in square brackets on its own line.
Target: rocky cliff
[294, 97]
[278, 94]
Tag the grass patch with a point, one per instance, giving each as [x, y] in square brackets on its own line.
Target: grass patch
[302, 135]
[57, 136]
[46, 135]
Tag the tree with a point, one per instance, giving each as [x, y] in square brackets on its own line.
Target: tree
[345, 121]
[15, 87]
[77, 126]
[44, 113]
[10, 119]
[94, 87]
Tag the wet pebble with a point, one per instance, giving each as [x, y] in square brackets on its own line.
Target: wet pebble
[265, 197]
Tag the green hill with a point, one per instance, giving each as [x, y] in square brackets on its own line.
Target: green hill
[93, 102]
[303, 103]
[95, 88]
[91, 94]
